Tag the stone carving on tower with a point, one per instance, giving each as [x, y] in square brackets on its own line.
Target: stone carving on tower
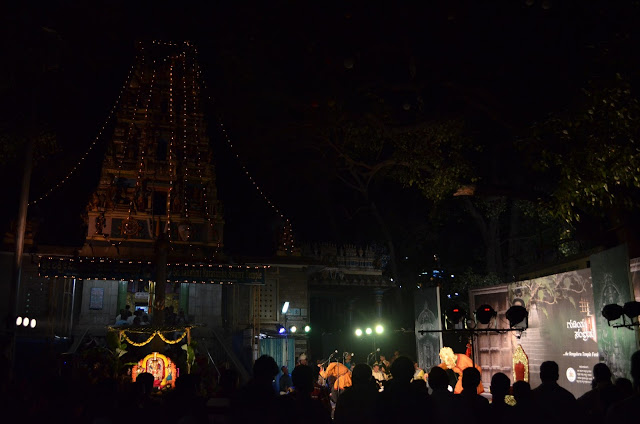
[157, 178]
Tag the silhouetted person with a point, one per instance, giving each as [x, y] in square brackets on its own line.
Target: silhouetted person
[298, 406]
[184, 402]
[219, 405]
[473, 407]
[554, 403]
[625, 386]
[500, 411]
[141, 403]
[595, 403]
[442, 400]
[255, 400]
[628, 409]
[358, 402]
[285, 382]
[524, 410]
[401, 401]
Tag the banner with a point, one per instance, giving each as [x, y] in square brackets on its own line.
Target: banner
[427, 316]
[562, 327]
[610, 273]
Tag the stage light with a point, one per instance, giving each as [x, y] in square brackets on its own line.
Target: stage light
[293, 329]
[358, 332]
[379, 329]
[454, 314]
[25, 322]
[19, 321]
[484, 314]
[281, 329]
[368, 330]
[285, 307]
[612, 312]
[33, 323]
[516, 314]
[307, 328]
[631, 309]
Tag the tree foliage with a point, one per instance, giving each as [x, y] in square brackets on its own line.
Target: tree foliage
[588, 158]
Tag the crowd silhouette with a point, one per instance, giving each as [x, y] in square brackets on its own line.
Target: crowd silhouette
[97, 397]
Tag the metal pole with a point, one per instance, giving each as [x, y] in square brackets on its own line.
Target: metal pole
[73, 302]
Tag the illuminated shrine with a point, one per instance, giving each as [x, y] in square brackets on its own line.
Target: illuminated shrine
[164, 371]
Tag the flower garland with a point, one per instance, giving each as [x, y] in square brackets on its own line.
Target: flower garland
[171, 341]
[131, 342]
[158, 333]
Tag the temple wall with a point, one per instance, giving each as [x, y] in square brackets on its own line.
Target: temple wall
[98, 310]
[205, 304]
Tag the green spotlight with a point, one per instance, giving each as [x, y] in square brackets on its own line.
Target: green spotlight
[307, 328]
[358, 332]
[368, 330]
[379, 329]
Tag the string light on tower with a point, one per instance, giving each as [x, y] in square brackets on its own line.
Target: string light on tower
[172, 118]
[143, 143]
[93, 143]
[195, 88]
[185, 164]
[287, 240]
[134, 110]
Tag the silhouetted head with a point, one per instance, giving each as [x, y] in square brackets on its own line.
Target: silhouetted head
[470, 379]
[265, 368]
[361, 374]
[521, 391]
[500, 384]
[549, 372]
[624, 386]
[402, 369]
[438, 379]
[601, 373]
[302, 378]
[145, 380]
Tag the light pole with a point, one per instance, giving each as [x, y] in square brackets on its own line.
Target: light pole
[285, 309]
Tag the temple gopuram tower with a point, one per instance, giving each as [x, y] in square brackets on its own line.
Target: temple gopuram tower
[157, 179]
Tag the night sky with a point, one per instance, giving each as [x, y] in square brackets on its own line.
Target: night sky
[274, 70]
